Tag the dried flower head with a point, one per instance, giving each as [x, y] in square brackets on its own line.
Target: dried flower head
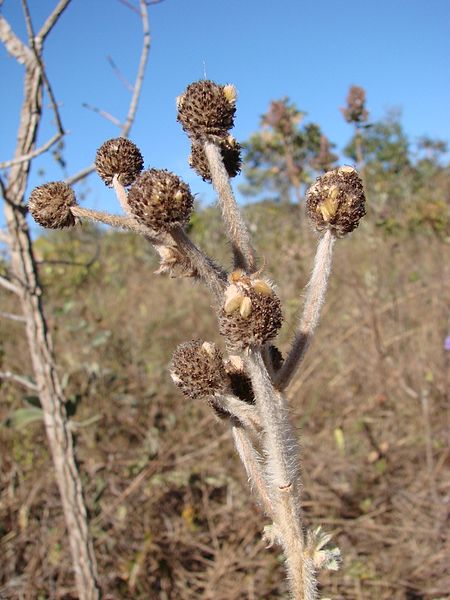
[197, 369]
[230, 150]
[251, 313]
[49, 205]
[336, 201]
[160, 200]
[207, 109]
[355, 111]
[119, 157]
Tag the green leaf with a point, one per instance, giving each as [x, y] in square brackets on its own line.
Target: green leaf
[22, 417]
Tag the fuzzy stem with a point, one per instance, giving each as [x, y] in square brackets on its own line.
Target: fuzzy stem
[252, 460]
[236, 229]
[245, 414]
[283, 474]
[309, 319]
[128, 223]
[121, 194]
[213, 276]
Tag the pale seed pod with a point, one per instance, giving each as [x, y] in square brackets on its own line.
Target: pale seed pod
[197, 369]
[336, 201]
[49, 205]
[207, 109]
[120, 157]
[160, 200]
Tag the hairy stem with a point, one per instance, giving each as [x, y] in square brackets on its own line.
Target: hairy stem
[283, 474]
[236, 229]
[252, 462]
[309, 319]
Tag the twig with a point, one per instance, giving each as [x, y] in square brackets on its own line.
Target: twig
[9, 286]
[103, 113]
[119, 74]
[311, 311]
[27, 157]
[23, 381]
[141, 70]
[13, 317]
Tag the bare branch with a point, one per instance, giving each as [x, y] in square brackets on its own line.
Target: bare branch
[141, 70]
[27, 157]
[23, 381]
[13, 317]
[120, 76]
[51, 20]
[9, 286]
[103, 113]
[14, 46]
[76, 177]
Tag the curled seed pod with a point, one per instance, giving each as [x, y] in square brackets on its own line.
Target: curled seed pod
[207, 109]
[49, 205]
[120, 157]
[230, 150]
[336, 201]
[160, 200]
[197, 369]
[252, 319]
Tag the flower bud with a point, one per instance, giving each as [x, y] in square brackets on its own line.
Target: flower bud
[207, 109]
[49, 205]
[119, 157]
[336, 201]
[230, 150]
[251, 314]
[197, 369]
[160, 200]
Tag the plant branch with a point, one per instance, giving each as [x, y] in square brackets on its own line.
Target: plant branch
[27, 157]
[23, 381]
[236, 229]
[11, 287]
[13, 317]
[309, 319]
[283, 474]
[252, 462]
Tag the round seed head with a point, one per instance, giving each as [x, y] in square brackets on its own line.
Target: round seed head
[197, 369]
[119, 157]
[160, 200]
[231, 156]
[49, 205]
[249, 317]
[207, 109]
[336, 201]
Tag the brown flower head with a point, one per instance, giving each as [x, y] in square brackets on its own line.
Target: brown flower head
[160, 200]
[231, 155]
[251, 314]
[207, 109]
[119, 157]
[336, 201]
[49, 205]
[197, 369]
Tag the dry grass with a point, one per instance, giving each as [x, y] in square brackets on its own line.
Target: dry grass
[171, 514]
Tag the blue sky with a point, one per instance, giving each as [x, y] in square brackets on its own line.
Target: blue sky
[309, 50]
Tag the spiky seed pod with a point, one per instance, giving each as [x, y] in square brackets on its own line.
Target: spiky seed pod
[120, 157]
[336, 201]
[250, 316]
[207, 109]
[49, 205]
[230, 150]
[197, 369]
[160, 200]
